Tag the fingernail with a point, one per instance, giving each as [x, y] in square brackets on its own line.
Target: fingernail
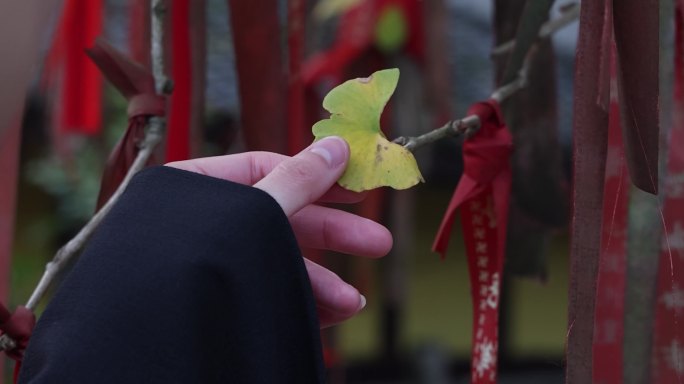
[362, 303]
[332, 149]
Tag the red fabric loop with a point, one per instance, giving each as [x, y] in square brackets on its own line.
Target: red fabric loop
[146, 105]
[487, 153]
[136, 83]
[129, 77]
[19, 327]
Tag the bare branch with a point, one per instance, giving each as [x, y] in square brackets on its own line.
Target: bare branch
[74, 246]
[6, 343]
[468, 125]
[569, 14]
[153, 136]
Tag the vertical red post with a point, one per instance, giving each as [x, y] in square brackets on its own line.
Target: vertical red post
[81, 87]
[9, 169]
[610, 295]
[590, 140]
[668, 332]
[139, 27]
[295, 88]
[178, 138]
[261, 73]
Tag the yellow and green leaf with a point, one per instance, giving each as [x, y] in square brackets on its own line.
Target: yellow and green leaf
[355, 107]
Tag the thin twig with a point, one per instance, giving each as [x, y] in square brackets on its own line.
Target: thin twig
[468, 125]
[569, 14]
[450, 129]
[153, 136]
[74, 246]
[6, 343]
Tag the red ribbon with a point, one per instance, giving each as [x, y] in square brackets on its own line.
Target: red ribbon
[178, 137]
[80, 101]
[18, 326]
[483, 193]
[9, 168]
[609, 321]
[356, 35]
[668, 335]
[137, 85]
[139, 39]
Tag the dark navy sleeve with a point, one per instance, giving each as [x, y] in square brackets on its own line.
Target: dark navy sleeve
[190, 279]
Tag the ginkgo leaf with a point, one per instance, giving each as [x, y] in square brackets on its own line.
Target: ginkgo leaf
[355, 107]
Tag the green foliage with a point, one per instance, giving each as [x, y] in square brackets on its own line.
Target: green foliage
[355, 108]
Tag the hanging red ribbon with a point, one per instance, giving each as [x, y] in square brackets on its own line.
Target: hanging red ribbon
[79, 99]
[668, 333]
[10, 140]
[178, 136]
[356, 35]
[483, 194]
[259, 63]
[139, 31]
[609, 323]
[18, 326]
[298, 134]
[137, 85]
[638, 82]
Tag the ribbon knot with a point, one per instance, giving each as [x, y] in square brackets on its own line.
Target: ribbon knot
[146, 104]
[487, 154]
[486, 159]
[18, 327]
[136, 84]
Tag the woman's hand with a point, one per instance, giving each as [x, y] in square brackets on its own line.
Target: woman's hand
[297, 184]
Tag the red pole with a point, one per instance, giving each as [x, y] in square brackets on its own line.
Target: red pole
[81, 88]
[9, 169]
[178, 139]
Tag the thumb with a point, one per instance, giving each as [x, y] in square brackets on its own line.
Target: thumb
[300, 180]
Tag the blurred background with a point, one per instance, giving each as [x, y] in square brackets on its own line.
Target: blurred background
[417, 325]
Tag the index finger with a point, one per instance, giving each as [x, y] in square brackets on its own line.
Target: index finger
[250, 167]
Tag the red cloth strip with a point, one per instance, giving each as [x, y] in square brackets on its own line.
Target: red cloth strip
[483, 194]
[638, 83]
[590, 141]
[18, 326]
[10, 139]
[610, 306]
[137, 85]
[259, 65]
[668, 333]
[139, 35]
[178, 136]
[81, 86]
[297, 132]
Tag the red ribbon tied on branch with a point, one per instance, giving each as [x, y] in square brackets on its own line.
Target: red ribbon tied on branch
[136, 84]
[18, 327]
[483, 193]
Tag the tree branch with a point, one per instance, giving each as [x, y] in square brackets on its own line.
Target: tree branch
[468, 125]
[153, 136]
[569, 14]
